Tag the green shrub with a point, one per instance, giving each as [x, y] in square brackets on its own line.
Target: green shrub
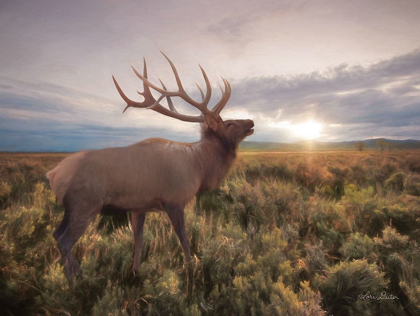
[346, 285]
[412, 185]
[279, 171]
[404, 216]
[337, 180]
[5, 190]
[413, 164]
[359, 175]
[286, 302]
[366, 209]
[247, 206]
[330, 223]
[384, 172]
[396, 182]
[359, 247]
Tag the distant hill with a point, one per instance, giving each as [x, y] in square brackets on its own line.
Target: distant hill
[311, 145]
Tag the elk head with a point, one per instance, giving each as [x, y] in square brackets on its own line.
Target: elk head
[229, 132]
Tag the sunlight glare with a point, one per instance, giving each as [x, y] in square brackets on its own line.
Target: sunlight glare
[307, 130]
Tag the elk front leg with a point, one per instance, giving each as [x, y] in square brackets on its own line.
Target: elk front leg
[137, 223]
[176, 216]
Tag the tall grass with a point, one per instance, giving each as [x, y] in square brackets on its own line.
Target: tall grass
[285, 234]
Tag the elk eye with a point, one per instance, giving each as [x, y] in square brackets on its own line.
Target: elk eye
[229, 124]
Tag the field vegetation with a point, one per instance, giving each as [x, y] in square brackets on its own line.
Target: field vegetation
[286, 234]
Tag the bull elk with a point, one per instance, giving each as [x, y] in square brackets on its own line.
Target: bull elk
[152, 175]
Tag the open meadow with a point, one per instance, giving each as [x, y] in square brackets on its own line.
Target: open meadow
[334, 233]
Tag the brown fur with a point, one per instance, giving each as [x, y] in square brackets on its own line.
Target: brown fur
[155, 174]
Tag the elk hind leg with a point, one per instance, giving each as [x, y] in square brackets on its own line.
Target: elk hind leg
[78, 220]
[137, 223]
[61, 227]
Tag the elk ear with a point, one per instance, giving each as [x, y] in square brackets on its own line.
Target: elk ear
[212, 122]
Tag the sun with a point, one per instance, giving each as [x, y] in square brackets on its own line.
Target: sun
[307, 130]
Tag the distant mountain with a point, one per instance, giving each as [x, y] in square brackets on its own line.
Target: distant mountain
[311, 145]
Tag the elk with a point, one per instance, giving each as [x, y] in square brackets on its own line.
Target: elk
[152, 175]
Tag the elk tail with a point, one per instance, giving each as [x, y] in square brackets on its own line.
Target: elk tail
[50, 176]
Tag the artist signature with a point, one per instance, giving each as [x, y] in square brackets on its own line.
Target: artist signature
[383, 296]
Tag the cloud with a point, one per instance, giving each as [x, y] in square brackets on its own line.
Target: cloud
[232, 31]
[45, 117]
[239, 29]
[343, 103]
[383, 97]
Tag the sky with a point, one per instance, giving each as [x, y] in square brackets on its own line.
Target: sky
[324, 70]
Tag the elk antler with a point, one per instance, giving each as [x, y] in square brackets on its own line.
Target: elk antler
[151, 103]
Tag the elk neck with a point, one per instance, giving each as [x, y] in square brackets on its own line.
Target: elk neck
[217, 158]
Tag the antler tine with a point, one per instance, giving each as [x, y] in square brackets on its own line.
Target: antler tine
[225, 97]
[147, 83]
[181, 91]
[144, 68]
[168, 99]
[178, 80]
[208, 87]
[201, 92]
[147, 94]
[130, 103]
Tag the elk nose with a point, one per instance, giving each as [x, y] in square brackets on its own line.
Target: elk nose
[251, 123]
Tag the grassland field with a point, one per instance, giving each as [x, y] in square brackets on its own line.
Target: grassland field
[325, 233]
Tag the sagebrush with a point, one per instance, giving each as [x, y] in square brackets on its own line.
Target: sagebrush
[286, 234]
